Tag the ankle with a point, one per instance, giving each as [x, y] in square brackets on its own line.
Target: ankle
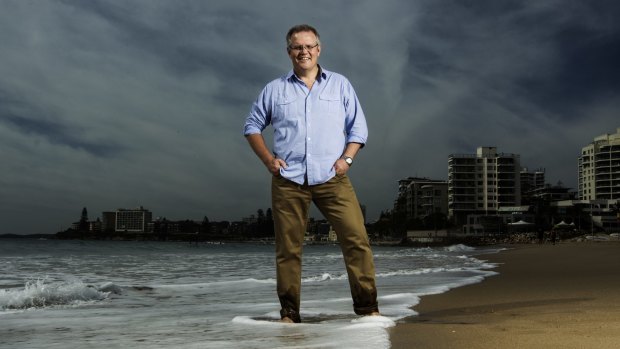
[287, 320]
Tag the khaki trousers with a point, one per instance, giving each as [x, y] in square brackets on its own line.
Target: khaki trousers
[337, 201]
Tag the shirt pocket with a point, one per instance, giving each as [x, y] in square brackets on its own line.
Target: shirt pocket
[285, 108]
[330, 103]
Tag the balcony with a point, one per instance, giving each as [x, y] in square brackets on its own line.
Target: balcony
[463, 184]
[461, 207]
[462, 169]
[462, 199]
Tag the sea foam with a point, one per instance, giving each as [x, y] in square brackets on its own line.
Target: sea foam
[42, 293]
[459, 248]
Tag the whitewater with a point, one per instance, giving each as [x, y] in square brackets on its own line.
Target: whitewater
[101, 294]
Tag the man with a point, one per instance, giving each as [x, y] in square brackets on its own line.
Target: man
[319, 126]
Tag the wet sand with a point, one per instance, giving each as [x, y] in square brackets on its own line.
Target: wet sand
[545, 296]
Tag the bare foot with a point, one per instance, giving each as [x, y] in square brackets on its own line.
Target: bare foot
[287, 320]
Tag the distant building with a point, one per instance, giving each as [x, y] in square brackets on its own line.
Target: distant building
[133, 220]
[420, 197]
[108, 221]
[481, 183]
[590, 215]
[550, 193]
[599, 168]
[530, 182]
[95, 226]
[434, 198]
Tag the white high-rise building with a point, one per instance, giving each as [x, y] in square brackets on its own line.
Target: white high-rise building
[599, 168]
[133, 220]
[481, 183]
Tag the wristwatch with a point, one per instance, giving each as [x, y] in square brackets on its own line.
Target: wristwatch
[348, 160]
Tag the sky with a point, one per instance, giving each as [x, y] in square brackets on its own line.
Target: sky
[120, 104]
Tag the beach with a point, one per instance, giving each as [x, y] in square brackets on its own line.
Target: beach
[545, 296]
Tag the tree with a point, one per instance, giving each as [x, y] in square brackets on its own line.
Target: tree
[83, 225]
[205, 226]
[260, 214]
[263, 227]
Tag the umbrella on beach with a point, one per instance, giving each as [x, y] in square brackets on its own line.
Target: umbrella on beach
[563, 224]
[520, 225]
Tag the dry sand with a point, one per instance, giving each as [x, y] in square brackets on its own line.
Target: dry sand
[545, 296]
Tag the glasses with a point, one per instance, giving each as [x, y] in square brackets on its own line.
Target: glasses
[302, 47]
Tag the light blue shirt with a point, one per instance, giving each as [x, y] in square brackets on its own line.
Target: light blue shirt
[311, 127]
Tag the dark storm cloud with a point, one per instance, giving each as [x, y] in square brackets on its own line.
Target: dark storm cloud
[19, 116]
[583, 75]
[529, 58]
[182, 39]
[58, 134]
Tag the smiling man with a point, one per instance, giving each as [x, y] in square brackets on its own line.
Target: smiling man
[319, 126]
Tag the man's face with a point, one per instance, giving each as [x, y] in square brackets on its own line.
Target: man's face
[304, 59]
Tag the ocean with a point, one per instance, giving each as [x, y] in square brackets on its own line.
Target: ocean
[131, 294]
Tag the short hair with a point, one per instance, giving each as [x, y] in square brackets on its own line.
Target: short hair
[298, 29]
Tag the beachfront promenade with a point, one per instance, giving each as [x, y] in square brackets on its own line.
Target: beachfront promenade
[545, 296]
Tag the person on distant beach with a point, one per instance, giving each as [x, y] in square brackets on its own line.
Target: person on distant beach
[541, 235]
[319, 126]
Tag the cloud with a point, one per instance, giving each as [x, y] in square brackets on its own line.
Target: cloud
[127, 103]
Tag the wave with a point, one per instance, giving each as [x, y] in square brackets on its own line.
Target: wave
[459, 248]
[474, 279]
[403, 272]
[41, 293]
[423, 271]
[227, 283]
[324, 277]
[201, 285]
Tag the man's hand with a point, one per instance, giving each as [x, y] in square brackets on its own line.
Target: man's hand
[341, 167]
[274, 166]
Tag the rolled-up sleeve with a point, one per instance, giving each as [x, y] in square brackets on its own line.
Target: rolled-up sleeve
[356, 128]
[259, 116]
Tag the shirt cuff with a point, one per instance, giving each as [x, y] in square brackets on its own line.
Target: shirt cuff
[356, 139]
[250, 130]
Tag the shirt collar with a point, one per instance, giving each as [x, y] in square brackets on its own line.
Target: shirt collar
[323, 74]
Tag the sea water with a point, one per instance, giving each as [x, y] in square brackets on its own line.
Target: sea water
[103, 294]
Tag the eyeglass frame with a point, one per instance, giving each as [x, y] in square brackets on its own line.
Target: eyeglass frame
[300, 48]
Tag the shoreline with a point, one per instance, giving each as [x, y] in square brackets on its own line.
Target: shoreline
[545, 296]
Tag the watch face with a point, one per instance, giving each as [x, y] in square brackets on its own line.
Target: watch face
[348, 160]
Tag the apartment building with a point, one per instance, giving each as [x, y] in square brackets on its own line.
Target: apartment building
[420, 197]
[531, 182]
[599, 168]
[483, 182]
[133, 220]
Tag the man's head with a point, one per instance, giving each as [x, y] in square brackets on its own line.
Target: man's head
[301, 28]
[304, 47]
